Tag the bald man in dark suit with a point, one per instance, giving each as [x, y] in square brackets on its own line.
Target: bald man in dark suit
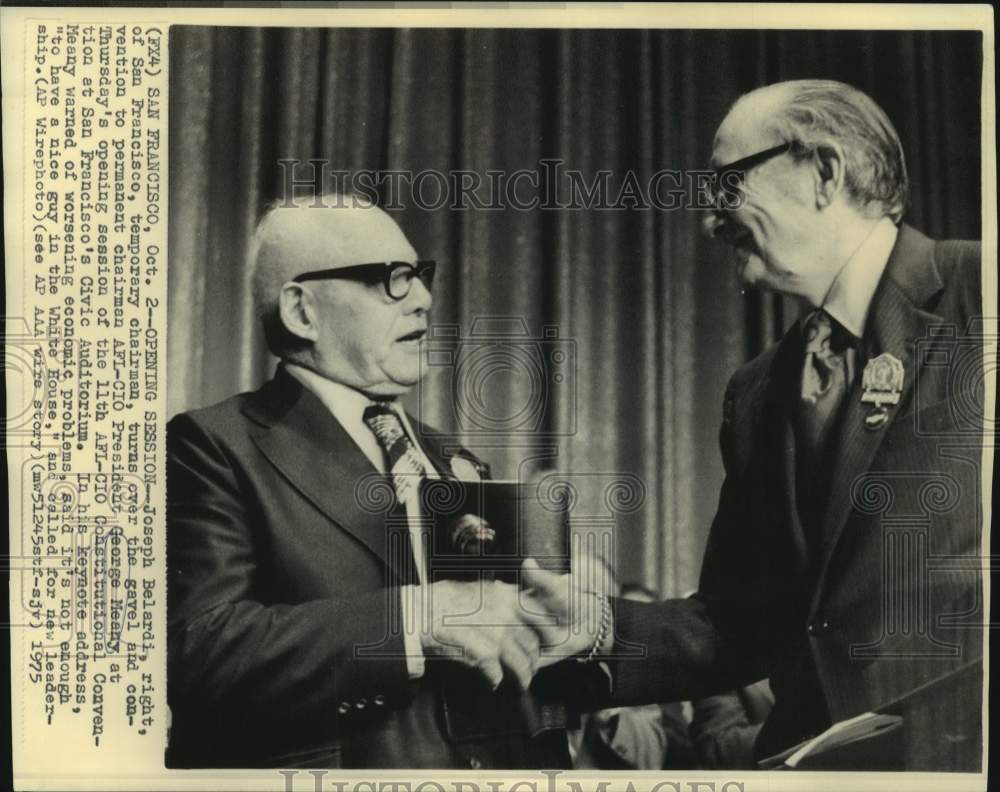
[304, 627]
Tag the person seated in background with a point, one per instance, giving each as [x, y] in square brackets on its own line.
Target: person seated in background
[648, 737]
[724, 727]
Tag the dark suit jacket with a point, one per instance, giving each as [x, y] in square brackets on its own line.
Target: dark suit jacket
[285, 646]
[891, 600]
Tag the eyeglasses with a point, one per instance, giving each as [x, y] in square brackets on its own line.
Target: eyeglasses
[727, 182]
[396, 277]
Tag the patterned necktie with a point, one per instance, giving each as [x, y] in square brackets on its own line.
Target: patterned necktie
[402, 459]
[827, 374]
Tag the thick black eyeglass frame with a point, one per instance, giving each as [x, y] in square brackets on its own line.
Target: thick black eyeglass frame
[379, 271]
[726, 195]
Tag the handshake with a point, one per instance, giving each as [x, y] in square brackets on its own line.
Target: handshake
[500, 628]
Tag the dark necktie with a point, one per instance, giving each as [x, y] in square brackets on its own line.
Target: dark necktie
[404, 465]
[402, 460]
[827, 374]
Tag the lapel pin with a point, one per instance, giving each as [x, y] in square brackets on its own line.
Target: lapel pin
[464, 469]
[882, 384]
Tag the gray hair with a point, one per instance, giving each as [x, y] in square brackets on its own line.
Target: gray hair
[814, 111]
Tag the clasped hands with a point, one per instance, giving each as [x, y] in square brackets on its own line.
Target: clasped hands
[500, 628]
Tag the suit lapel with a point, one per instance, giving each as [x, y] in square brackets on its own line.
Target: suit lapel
[442, 450]
[314, 453]
[430, 443]
[895, 320]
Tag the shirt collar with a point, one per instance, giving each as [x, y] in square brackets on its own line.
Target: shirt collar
[347, 404]
[850, 295]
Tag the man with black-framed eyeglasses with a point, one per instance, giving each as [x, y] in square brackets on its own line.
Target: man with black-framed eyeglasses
[304, 628]
[829, 567]
[727, 180]
[396, 277]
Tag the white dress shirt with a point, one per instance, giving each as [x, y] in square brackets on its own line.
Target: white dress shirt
[348, 406]
[850, 295]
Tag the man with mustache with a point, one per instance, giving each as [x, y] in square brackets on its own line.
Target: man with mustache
[303, 628]
[843, 559]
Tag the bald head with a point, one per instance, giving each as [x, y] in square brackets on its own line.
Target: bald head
[302, 237]
[751, 117]
[816, 165]
[816, 113]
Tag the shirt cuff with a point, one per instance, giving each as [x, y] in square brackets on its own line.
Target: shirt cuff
[410, 606]
[607, 672]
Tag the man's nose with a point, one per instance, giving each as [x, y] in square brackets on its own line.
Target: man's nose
[419, 298]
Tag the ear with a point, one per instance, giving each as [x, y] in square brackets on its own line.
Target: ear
[828, 161]
[298, 311]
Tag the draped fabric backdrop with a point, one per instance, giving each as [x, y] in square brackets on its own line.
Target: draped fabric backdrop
[656, 316]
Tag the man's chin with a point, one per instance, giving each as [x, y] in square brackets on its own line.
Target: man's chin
[750, 272]
[398, 381]
[743, 273]
[395, 385]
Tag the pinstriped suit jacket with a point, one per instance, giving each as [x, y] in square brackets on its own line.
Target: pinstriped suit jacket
[891, 600]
